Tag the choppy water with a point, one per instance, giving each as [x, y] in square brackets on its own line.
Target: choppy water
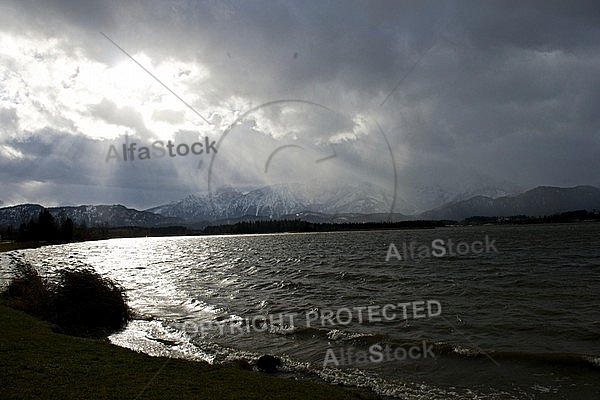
[522, 322]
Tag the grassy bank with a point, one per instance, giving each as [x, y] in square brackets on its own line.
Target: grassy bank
[37, 363]
[9, 246]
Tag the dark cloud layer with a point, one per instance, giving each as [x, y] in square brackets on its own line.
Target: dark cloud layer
[506, 97]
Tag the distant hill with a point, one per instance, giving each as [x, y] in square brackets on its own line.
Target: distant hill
[543, 200]
[109, 215]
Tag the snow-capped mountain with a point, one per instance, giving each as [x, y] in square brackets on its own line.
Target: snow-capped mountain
[280, 200]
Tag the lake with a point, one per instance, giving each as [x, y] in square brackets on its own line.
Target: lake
[515, 317]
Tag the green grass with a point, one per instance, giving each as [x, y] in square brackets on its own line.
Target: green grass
[38, 363]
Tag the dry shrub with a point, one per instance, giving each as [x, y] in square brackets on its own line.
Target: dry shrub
[79, 301]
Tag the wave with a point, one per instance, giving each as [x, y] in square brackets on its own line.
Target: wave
[555, 358]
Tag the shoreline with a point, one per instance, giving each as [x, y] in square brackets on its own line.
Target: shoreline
[13, 245]
[6, 246]
[41, 363]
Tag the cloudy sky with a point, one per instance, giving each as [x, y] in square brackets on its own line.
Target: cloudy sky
[507, 97]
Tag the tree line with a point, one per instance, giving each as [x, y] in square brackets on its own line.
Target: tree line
[569, 216]
[297, 225]
[46, 228]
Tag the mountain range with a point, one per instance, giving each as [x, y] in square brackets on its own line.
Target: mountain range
[101, 215]
[543, 200]
[359, 202]
[277, 201]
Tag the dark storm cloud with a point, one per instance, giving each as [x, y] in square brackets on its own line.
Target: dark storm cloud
[550, 25]
[47, 156]
[507, 96]
[57, 157]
